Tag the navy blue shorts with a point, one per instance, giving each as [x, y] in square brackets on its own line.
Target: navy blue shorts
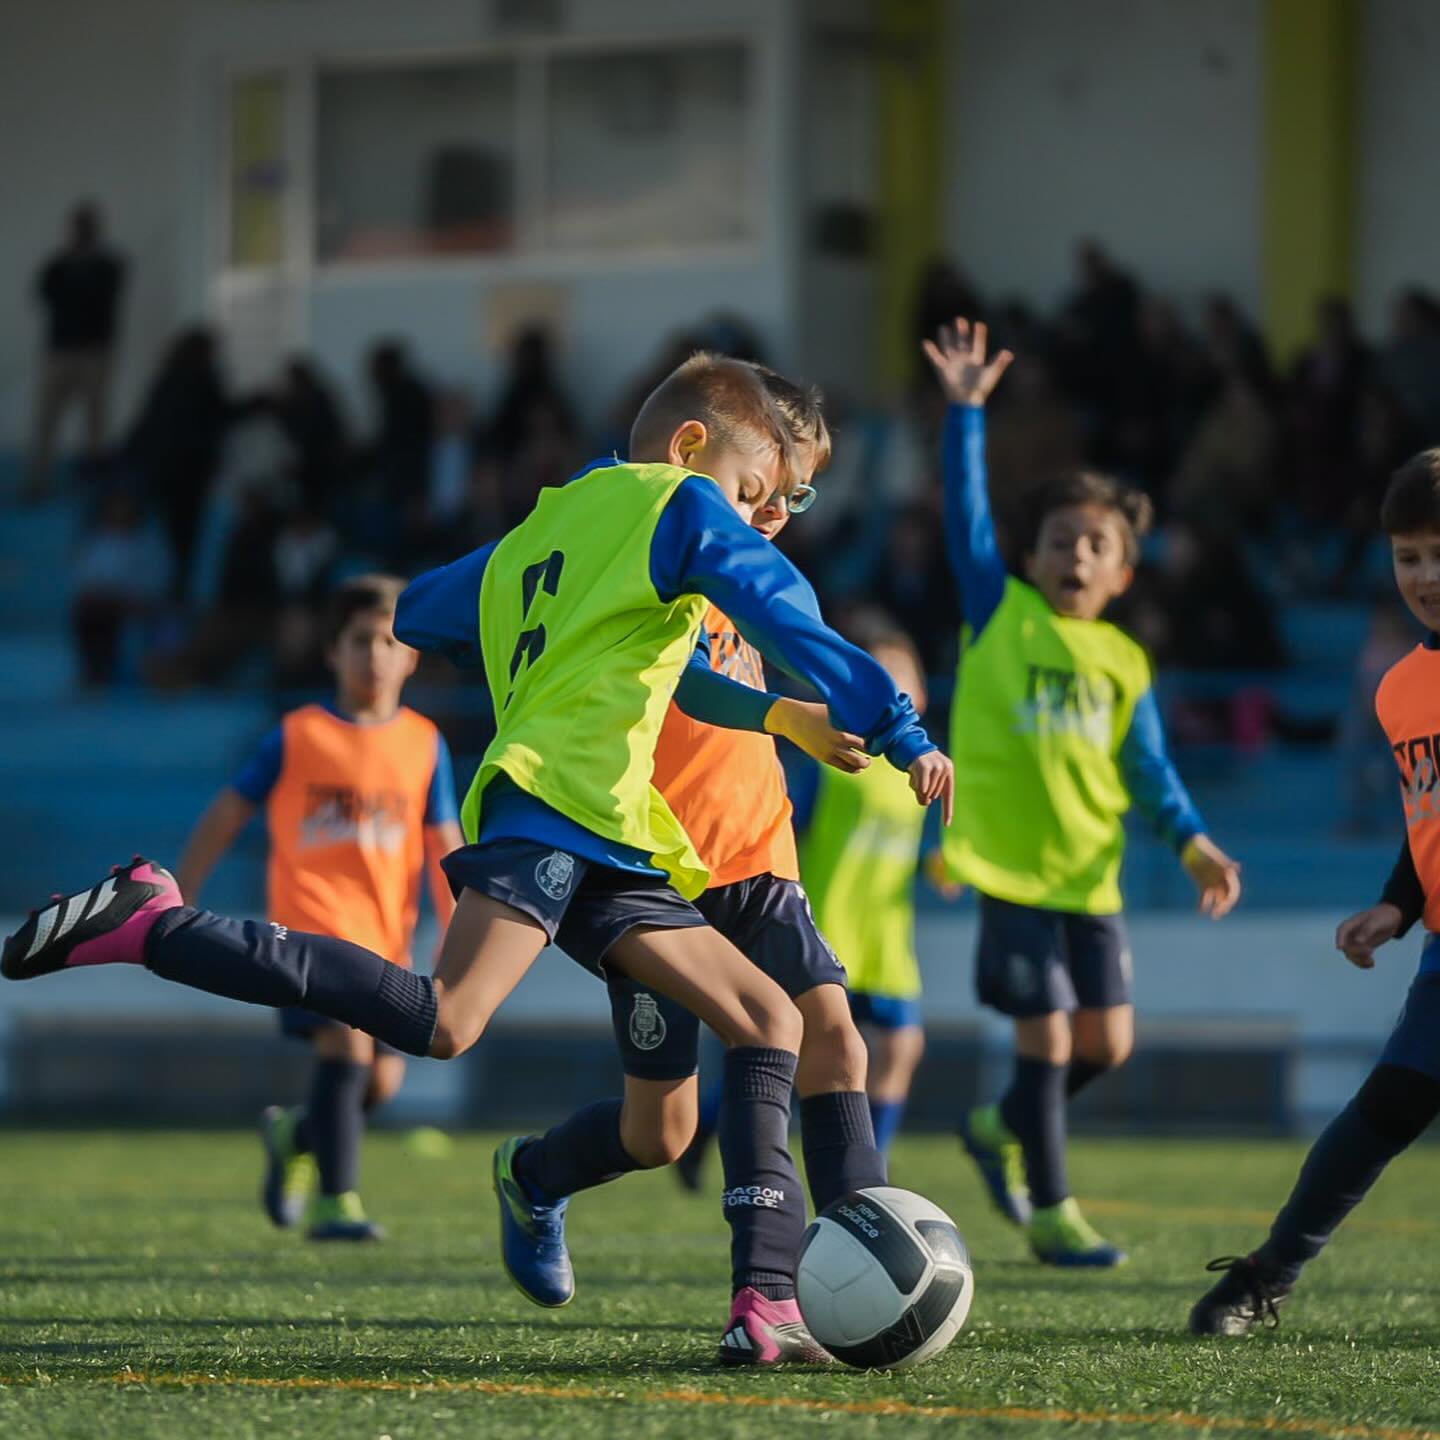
[884, 1012]
[769, 921]
[1030, 962]
[1415, 1040]
[581, 906]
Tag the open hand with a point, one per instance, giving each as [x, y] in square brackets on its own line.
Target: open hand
[1215, 874]
[959, 360]
[808, 726]
[1361, 935]
[932, 777]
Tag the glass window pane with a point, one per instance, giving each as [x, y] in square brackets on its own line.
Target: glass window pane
[415, 161]
[649, 149]
[257, 173]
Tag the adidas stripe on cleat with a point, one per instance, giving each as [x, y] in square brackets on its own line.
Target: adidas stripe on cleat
[106, 924]
[768, 1332]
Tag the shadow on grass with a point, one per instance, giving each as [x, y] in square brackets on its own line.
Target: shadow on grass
[152, 1324]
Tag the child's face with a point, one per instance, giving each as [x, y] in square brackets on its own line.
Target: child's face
[1417, 572]
[1079, 562]
[751, 479]
[901, 667]
[371, 666]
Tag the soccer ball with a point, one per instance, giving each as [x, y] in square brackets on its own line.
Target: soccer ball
[884, 1279]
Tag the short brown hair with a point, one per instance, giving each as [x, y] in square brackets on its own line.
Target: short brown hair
[1131, 507]
[741, 404]
[872, 629]
[1412, 499]
[359, 596]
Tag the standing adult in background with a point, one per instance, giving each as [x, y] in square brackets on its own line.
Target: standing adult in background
[79, 289]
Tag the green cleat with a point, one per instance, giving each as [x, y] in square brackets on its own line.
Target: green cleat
[341, 1217]
[1061, 1235]
[997, 1155]
[289, 1175]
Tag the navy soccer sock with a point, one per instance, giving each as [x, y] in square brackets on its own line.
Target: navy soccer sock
[270, 965]
[578, 1154]
[885, 1116]
[840, 1150]
[1391, 1111]
[762, 1190]
[1033, 1109]
[1080, 1073]
[335, 1120]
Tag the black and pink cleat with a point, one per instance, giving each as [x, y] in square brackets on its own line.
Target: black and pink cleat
[768, 1332]
[104, 925]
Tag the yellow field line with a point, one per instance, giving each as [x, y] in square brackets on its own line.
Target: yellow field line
[1269, 1425]
[1247, 1217]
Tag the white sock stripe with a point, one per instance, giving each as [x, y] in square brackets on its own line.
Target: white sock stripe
[43, 926]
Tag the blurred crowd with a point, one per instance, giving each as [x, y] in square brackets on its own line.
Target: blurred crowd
[218, 520]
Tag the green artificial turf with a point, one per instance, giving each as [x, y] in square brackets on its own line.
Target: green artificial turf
[142, 1293]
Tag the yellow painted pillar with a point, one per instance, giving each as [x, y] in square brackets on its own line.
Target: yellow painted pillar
[911, 118]
[1311, 60]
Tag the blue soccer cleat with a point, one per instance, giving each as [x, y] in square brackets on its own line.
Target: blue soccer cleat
[289, 1175]
[341, 1217]
[532, 1236]
[996, 1153]
[1061, 1235]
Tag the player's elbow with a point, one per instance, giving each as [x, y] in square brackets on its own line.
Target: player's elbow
[454, 1035]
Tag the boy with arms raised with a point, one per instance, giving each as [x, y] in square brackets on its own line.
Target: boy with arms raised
[359, 800]
[1401, 1096]
[1056, 734]
[587, 615]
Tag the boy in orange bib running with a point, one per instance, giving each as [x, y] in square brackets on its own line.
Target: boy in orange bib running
[359, 799]
[1401, 1096]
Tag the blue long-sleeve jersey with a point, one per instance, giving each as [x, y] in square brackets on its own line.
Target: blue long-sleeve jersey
[1149, 773]
[700, 546]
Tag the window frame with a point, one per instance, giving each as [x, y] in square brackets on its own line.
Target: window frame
[532, 256]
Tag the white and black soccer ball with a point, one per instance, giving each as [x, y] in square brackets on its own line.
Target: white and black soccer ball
[884, 1279]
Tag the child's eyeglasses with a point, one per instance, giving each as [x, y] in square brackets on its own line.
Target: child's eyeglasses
[800, 499]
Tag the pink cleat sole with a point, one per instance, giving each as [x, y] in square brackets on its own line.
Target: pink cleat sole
[107, 924]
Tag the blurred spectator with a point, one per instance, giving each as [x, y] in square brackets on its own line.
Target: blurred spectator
[1410, 360]
[913, 583]
[1228, 468]
[1034, 433]
[1323, 410]
[944, 294]
[176, 442]
[305, 555]
[1098, 339]
[533, 436]
[307, 410]
[397, 461]
[79, 289]
[119, 574]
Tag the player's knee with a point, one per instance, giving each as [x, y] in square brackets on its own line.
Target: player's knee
[1398, 1103]
[832, 1057]
[1105, 1052]
[663, 1145]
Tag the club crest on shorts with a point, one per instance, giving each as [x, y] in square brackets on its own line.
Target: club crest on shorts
[647, 1024]
[555, 874]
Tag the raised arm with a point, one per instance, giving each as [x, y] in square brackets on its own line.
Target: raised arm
[959, 358]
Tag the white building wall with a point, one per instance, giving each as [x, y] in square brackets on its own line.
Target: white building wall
[1398, 223]
[1132, 121]
[89, 107]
